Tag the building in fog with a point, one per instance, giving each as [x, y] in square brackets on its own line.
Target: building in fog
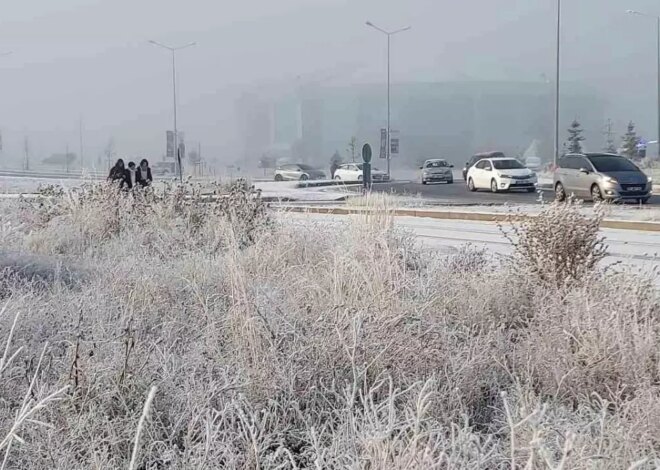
[447, 119]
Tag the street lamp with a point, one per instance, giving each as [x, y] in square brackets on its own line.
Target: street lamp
[557, 77]
[657, 19]
[173, 50]
[389, 34]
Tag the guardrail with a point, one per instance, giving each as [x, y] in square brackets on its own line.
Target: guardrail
[54, 174]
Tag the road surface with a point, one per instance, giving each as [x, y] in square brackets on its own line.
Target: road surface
[635, 249]
[457, 193]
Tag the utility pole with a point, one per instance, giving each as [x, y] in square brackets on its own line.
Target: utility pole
[389, 35]
[66, 158]
[26, 162]
[609, 137]
[557, 77]
[173, 51]
[81, 144]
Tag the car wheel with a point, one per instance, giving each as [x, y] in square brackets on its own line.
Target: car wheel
[493, 186]
[471, 185]
[279, 178]
[450, 182]
[360, 178]
[644, 200]
[337, 178]
[304, 177]
[596, 195]
[531, 190]
[560, 192]
[423, 181]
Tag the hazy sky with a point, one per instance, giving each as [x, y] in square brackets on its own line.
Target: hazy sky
[91, 58]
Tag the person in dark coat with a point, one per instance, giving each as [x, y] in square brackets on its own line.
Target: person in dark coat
[143, 175]
[333, 168]
[119, 173]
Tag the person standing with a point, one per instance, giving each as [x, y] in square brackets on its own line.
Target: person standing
[143, 175]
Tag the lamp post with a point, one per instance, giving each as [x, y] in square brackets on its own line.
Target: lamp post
[389, 34]
[174, 50]
[657, 21]
[557, 78]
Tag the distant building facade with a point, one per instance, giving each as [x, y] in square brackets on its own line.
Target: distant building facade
[447, 119]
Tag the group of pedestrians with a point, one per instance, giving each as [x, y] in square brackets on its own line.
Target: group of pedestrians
[132, 176]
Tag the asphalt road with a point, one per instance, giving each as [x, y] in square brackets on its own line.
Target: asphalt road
[457, 193]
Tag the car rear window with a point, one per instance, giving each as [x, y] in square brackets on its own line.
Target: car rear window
[437, 164]
[610, 163]
[507, 164]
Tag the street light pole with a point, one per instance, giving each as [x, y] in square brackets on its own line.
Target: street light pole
[657, 19]
[658, 52]
[389, 34]
[557, 78]
[174, 50]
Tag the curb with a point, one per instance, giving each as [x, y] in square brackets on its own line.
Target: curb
[469, 216]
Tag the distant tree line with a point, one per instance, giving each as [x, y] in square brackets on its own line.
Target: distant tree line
[629, 148]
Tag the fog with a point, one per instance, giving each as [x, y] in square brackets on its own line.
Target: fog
[91, 59]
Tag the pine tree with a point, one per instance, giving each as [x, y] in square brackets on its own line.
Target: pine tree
[575, 137]
[630, 141]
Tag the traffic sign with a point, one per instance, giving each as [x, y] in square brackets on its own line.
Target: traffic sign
[366, 153]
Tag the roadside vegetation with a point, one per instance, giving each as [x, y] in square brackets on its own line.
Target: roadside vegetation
[175, 331]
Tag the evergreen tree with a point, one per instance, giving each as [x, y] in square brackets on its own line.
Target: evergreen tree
[575, 137]
[630, 141]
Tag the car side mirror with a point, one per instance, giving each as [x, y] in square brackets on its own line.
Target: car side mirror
[451, 166]
[421, 167]
[488, 169]
[585, 171]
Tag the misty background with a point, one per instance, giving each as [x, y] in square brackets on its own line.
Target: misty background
[91, 59]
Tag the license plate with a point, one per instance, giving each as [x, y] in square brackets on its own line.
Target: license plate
[635, 188]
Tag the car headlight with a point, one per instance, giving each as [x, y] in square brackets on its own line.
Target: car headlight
[505, 176]
[650, 179]
[611, 181]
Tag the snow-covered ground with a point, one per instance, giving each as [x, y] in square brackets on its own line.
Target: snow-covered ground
[289, 191]
[637, 249]
[282, 190]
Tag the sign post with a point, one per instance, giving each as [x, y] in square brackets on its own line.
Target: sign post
[366, 166]
[383, 144]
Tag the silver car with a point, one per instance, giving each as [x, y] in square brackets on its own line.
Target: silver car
[298, 172]
[437, 170]
[601, 176]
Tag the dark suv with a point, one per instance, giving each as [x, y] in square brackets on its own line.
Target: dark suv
[601, 176]
[480, 156]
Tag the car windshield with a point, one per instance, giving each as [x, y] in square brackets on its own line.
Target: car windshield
[437, 164]
[507, 164]
[609, 163]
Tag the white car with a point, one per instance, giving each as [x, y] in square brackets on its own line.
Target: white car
[352, 172]
[501, 174]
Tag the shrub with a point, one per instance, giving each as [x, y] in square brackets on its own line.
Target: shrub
[316, 343]
[560, 246]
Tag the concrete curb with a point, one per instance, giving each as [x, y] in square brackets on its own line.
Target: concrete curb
[469, 216]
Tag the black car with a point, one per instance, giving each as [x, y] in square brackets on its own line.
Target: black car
[480, 156]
